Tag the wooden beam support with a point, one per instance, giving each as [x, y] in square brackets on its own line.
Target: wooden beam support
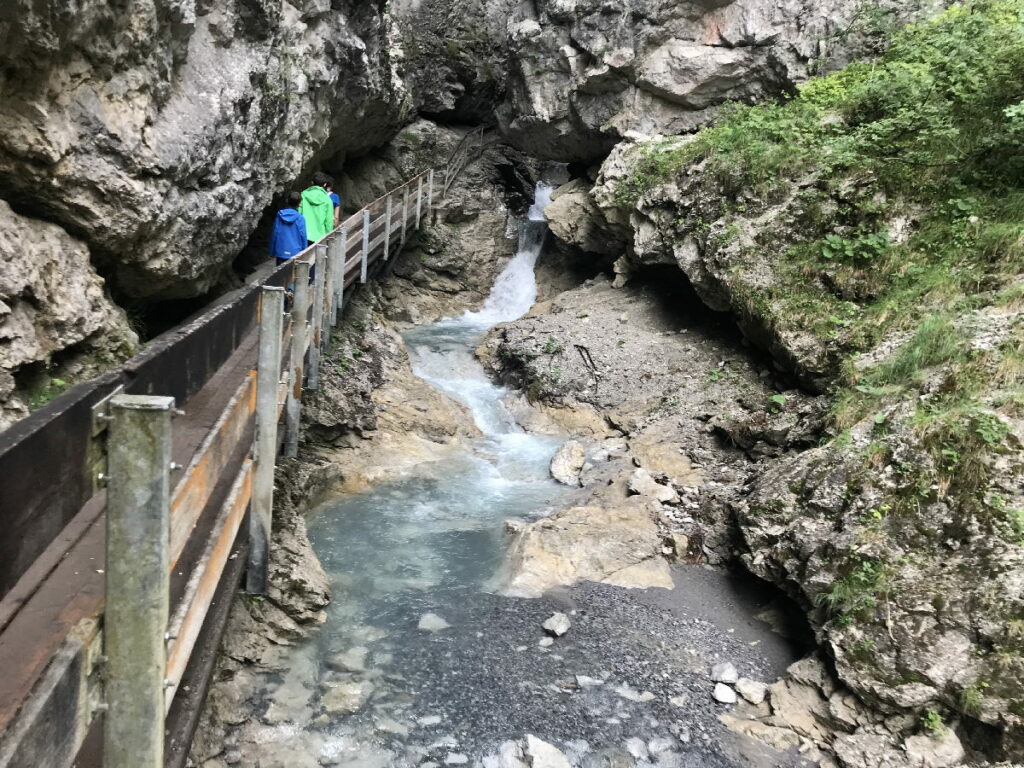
[188, 619]
[207, 465]
[300, 330]
[316, 320]
[138, 581]
[268, 376]
[366, 246]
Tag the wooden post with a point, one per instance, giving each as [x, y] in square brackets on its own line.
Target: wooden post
[316, 321]
[327, 300]
[342, 268]
[405, 212]
[419, 199]
[430, 197]
[338, 260]
[268, 374]
[297, 358]
[138, 580]
[387, 229]
[366, 245]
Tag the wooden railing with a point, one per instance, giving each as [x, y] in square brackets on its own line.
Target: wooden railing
[132, 504]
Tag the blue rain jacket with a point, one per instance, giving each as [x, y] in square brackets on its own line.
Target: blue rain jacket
[289, 235]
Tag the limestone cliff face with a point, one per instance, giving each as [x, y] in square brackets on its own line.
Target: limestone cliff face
[157, 132]
[56, 320]
[584, 74]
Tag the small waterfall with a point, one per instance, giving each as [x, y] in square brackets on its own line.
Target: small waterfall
[442, 353]
[515, 290]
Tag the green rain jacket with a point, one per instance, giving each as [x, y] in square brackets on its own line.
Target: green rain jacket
[318, 210]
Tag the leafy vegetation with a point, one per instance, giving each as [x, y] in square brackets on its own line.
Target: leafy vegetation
[51, 388]
[905, 180]
[931, 722]
[855, 595]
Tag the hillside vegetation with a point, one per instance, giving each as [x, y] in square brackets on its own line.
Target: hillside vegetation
[868, 231]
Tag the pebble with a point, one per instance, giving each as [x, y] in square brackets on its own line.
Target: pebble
[456, 758]
[431, 622]
[636, 748]
[557, 624]
[429, 720]
[724, 694]
[588, 682]
[387, 725]
[546, 642]
[751, 690]
[725, 672]
[626, 692]
[659, 745]
[540, 754]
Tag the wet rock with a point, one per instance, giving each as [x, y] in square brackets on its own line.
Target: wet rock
[629, 693]
[611, 757]
[637, 748]
[574, 87]
[540, 754]
[864, 749]
[660, 746]
[431, 622]
[574, 218]
[53, 305]
[942, 751]
[567, 463]
[352, 660]
[510, 755]
[619, 546]
[751, 690]
[346, 698]
[724, 694]
[388, 725]
[641, 482]
[557, 624]
[724, 672]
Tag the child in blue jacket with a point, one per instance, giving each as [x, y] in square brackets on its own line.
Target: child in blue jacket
[289, 235]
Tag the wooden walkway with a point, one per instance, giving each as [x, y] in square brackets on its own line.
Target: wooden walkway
[146, 494]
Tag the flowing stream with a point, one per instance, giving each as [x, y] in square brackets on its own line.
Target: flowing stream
[419, 663]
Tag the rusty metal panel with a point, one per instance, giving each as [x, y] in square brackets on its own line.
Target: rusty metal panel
[46, 481]
[180, 362]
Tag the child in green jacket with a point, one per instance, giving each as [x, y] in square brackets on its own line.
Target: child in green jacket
[317, 208]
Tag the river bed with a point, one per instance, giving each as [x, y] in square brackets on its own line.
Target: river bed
[422, 662]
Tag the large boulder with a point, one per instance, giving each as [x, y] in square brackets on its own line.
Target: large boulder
[584, 74]
[574, 218]
[617, 545]
[57, 321]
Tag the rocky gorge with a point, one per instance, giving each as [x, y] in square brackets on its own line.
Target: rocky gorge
[783, 340]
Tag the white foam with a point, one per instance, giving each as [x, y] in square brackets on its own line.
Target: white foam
[515, 290]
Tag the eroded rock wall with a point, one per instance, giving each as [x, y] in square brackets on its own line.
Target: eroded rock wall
[584, 74]
[57, 322]
[158, 132]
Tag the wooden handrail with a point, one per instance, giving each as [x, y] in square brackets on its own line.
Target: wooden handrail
[227, 408]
